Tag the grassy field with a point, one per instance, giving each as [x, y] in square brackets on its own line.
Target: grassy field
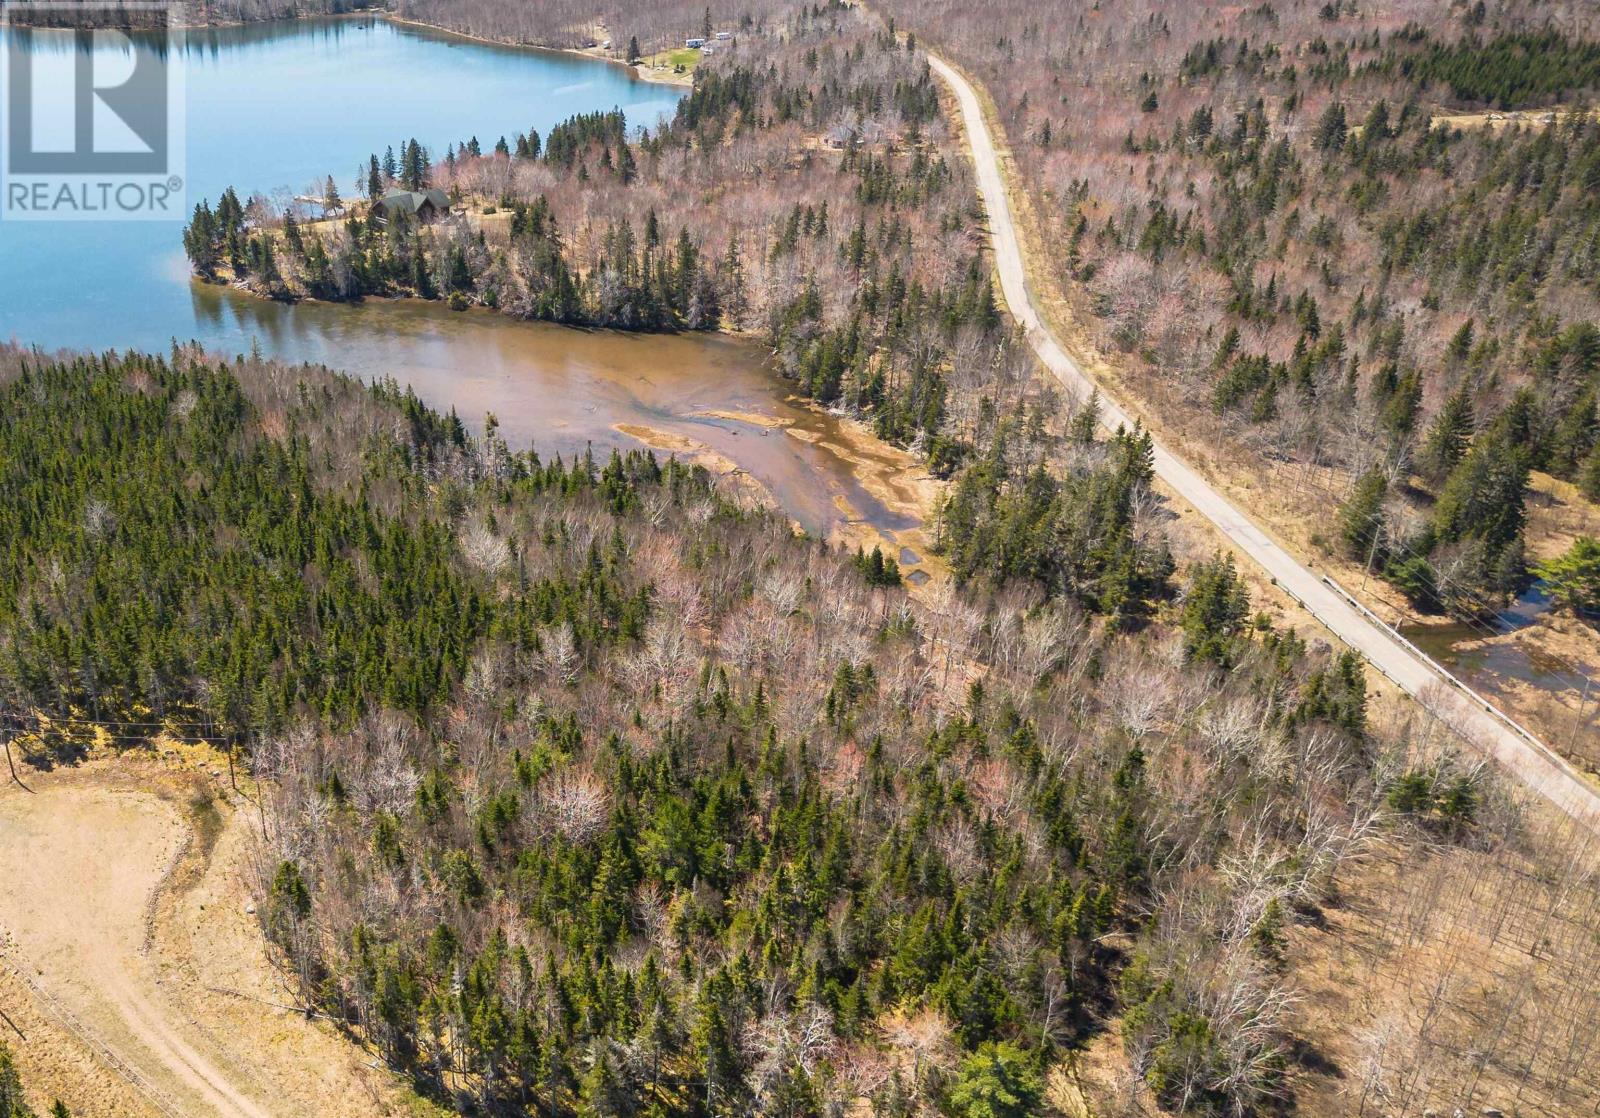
[687, 57]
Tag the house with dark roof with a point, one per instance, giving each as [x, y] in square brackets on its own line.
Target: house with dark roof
[411, 205]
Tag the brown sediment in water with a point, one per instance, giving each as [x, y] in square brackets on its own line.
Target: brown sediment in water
[1537, 663]
[755, 419]
[563, 390]
[735, 478]
[896, 478]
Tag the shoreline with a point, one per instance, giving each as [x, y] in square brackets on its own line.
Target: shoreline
[297, 298]
[892, 475]
[639, 72]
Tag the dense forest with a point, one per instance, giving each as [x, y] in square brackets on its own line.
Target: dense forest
[1288, 223]
[593, 794]
[846, 239]
[845, 230]
[586, 792]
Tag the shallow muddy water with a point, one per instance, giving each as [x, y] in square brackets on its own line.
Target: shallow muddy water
[703, 396]
[1455, 644]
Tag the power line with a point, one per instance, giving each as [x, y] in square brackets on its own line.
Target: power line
[74, 720]
[1573, 675]
[123, 732]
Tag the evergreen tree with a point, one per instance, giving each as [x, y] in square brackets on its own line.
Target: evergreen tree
[12, 1102]
[1574, 437]
[1460, 346]
[1361, 517]
[1215, 608]
[458, 274]
[421, 277]
[731, 277]
[1331, 128]
[996, 1081]
[1573, 579]
[1400, 412]
[414, 167]
[1447, 439]
[1482, 507]
[202, 241]
[291, 234]
[686, 266]
[1589, 476]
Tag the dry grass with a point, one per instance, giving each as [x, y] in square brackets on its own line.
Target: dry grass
[1501, 119]
[1557, 515]
[1440, 980]
[1451, 977]
[132, 929]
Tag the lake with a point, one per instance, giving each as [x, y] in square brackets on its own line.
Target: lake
[283, 105]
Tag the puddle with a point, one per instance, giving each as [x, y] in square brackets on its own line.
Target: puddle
[1458, 646]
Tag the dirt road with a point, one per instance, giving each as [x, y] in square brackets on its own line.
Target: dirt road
[1537, 766]
[128, 959]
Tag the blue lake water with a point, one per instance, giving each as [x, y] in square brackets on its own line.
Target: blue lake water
[283, 105]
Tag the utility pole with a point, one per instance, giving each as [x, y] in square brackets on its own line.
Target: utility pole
[1583, 704]
[11, 762]
[1372, 552]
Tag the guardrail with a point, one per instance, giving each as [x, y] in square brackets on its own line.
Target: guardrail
[1323, 621]
[1445, 674]
[1437, 668]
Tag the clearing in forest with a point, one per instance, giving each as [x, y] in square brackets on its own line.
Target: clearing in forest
[129, 960]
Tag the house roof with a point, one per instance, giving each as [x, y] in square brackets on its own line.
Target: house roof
[410, 201]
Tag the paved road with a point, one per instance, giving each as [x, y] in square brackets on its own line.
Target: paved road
[1540, 768]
